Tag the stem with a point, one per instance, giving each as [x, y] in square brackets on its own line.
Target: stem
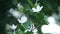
[37, 1]
[22, 25]
[14, 31]
[30, 3]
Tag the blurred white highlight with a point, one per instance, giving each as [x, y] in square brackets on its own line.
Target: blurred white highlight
[15, 13]
[52, 27]
[51, 20]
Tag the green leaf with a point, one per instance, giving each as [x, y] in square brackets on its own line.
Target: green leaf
[20, 32]
[29, 33]
[30, 2]
[26, 25]
[10, 33]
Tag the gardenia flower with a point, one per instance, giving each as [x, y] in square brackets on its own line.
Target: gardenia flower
[23, 19]
[13, 27]
[37, 9]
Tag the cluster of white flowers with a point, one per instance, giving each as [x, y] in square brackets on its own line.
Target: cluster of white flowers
[22, 18]
[18, 14]
[31, 28]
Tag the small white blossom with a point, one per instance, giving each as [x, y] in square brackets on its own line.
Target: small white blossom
[31, 28]
[13, 27]
[37, 9]
[23, 19]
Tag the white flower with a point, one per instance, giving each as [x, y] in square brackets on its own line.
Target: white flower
[23, 19]
[31, 28]
[15, 13]
[13, 27]
[37, 9]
